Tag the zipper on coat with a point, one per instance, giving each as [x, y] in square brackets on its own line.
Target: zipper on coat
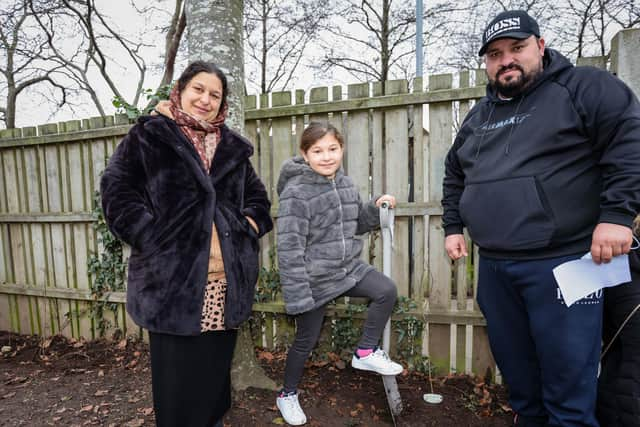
[344, 243]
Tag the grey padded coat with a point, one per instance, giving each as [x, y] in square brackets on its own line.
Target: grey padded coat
[318, 220]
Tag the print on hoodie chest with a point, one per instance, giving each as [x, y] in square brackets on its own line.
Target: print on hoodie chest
[493, 124]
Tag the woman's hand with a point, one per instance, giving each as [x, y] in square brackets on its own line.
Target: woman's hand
[386, 198]
[253, 224]
[162, 107]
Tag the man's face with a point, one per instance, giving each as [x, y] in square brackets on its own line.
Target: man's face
[513, 64]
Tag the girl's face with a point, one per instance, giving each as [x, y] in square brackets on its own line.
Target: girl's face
[202, 96]
[325, 156]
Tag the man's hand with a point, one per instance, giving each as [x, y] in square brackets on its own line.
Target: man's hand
[456, 246]
[610, 240]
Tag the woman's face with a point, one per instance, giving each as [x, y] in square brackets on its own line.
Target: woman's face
[202, 96]
[325, 156]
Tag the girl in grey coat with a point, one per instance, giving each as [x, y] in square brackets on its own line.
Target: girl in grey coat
[319, 216]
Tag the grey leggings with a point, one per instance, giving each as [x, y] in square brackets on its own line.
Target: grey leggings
[374, 285]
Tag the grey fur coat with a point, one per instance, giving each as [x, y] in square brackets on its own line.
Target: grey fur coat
[318, 220]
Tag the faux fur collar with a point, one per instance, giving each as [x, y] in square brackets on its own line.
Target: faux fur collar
[232, 149]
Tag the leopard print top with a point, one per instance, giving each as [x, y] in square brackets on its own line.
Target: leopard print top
[216, 290]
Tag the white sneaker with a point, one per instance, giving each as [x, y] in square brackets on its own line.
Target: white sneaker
[379, 362]
[290, 409]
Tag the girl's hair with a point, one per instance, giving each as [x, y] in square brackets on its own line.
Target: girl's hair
[203, 67]
[317, 130]
[636, 227]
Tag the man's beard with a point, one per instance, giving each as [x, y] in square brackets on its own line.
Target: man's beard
[516, 85]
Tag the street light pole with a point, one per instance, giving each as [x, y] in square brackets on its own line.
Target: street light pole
[419, 43]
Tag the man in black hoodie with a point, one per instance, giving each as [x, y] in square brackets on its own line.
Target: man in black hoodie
[545, 168]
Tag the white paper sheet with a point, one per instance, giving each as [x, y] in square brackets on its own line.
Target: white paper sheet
[579, 278]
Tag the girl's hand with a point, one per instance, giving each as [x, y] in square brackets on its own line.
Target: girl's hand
[386, 198]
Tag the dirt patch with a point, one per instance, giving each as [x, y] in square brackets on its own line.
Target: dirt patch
[57, 381]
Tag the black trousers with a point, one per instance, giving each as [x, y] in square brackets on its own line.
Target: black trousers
[191, 377]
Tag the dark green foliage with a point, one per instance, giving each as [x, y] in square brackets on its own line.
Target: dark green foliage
[107, 269]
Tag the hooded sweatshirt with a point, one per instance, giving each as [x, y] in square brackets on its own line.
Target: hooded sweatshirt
[318, 219]
[531, 177]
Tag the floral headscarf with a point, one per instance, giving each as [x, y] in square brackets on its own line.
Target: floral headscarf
[204, 135]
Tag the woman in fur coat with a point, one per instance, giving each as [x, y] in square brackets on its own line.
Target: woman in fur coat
[180, 190]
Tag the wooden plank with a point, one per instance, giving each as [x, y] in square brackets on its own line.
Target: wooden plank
[5, 261]
[419, 158]
[11, 181]
[5, 313]
[357, 146]
[268, 173]
[78, 252]
[14, 313]
[440, 142]
[251, 131]
[3, 183]
[319, 95]
[377, 180]
[460, 348]
[281, 130]
[269, 330]
[482, 357]
[299, 123]
[24, 315]
[439, 347]
[396, 178]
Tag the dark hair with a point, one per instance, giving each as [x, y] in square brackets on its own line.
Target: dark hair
[203, 67]
[317, 130]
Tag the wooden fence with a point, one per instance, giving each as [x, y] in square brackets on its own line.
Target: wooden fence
[48, 176]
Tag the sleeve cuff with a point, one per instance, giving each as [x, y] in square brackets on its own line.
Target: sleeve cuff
[453, 229]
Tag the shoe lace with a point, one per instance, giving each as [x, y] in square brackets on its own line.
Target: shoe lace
[292, 403]
[382, 354]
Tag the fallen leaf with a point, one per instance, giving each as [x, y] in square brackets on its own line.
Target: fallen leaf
[101, 373]
[56, 419]
[146, 411]
[136, 422]
[340, 364]
[122, 344]
[354, 413]
[87, 408]
[265, 355]
[505, 407]
[8, 395]
[61, 410]
[279, 421]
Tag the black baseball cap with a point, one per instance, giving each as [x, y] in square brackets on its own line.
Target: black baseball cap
[510, 24]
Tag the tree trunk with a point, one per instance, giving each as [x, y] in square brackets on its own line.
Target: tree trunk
[214, 33]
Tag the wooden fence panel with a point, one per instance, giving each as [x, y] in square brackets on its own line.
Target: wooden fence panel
[386, 151]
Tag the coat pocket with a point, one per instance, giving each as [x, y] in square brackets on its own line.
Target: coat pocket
[508, 214]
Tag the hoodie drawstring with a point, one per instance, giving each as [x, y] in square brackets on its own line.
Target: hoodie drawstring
[513, 125]
[486, 129]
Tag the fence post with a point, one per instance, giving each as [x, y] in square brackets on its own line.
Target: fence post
[625, 61]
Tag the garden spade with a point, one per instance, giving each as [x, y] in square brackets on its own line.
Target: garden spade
[389, 381]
